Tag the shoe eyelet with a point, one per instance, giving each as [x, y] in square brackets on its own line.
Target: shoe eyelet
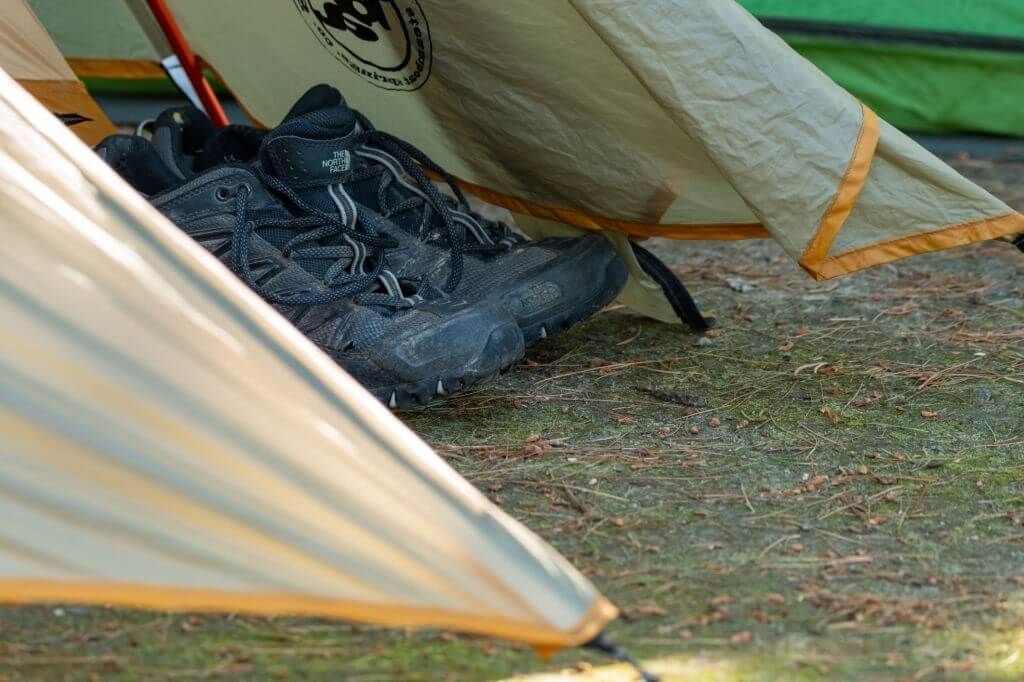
[223, 194]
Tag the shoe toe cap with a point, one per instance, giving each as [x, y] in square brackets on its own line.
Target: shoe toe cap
[471, 343]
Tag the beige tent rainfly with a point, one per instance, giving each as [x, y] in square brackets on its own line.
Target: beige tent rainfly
[168, 441]
[28, 54]
[683, 119]
[674, 118]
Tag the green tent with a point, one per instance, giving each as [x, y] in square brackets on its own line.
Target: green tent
[922, 65]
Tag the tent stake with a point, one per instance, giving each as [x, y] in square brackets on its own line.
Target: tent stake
[188, 60]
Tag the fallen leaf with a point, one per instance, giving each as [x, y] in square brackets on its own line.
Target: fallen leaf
[813, 484]
[599, 362]
[643, 611]
[741, 637]
[715, 422]
[928, 414]
[900, 311]
[788, 346]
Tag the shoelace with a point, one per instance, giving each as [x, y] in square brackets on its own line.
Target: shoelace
[341, 278]
[456, 215]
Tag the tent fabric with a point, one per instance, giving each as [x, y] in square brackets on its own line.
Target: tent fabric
[28, 52]
[29, 55]
[664, 118]
[105, 38]
[169, 441]
[922, 65]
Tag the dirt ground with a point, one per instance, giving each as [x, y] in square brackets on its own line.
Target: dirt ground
[828, 487]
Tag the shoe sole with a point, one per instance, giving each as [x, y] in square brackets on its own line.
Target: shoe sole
[614, 279]
[505, 343]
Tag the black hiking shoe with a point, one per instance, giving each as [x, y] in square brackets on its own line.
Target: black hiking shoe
[401, 340]
[336, 161]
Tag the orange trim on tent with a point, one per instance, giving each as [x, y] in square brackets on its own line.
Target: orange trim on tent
[133, 595]
[846, 194]
[591, 221]
[820, 265]
[117, 68]
[943, 238]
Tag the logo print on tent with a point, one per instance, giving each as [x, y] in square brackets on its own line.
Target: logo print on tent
[387, 42]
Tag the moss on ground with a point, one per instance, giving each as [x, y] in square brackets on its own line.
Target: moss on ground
[840, 499]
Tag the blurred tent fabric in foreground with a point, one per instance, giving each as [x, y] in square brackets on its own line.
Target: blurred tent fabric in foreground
[28, 55]
[169, 441]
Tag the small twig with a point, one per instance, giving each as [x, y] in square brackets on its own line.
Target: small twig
[746, 499]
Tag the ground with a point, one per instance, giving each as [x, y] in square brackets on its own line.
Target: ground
[829, 486]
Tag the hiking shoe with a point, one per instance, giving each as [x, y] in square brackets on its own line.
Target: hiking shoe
[336, 161]
[402, 341]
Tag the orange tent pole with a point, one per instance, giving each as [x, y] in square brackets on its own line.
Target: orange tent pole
[188, 61]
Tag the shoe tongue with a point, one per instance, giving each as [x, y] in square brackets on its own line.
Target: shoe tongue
[314, 143]
[177, 135]
[317, 97]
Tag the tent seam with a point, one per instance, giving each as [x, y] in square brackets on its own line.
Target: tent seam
[17, 590]
[846, 195]
[922, 242]
[590, 221]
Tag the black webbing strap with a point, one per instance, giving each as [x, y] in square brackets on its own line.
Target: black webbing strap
[604, 645]
[675, 291]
